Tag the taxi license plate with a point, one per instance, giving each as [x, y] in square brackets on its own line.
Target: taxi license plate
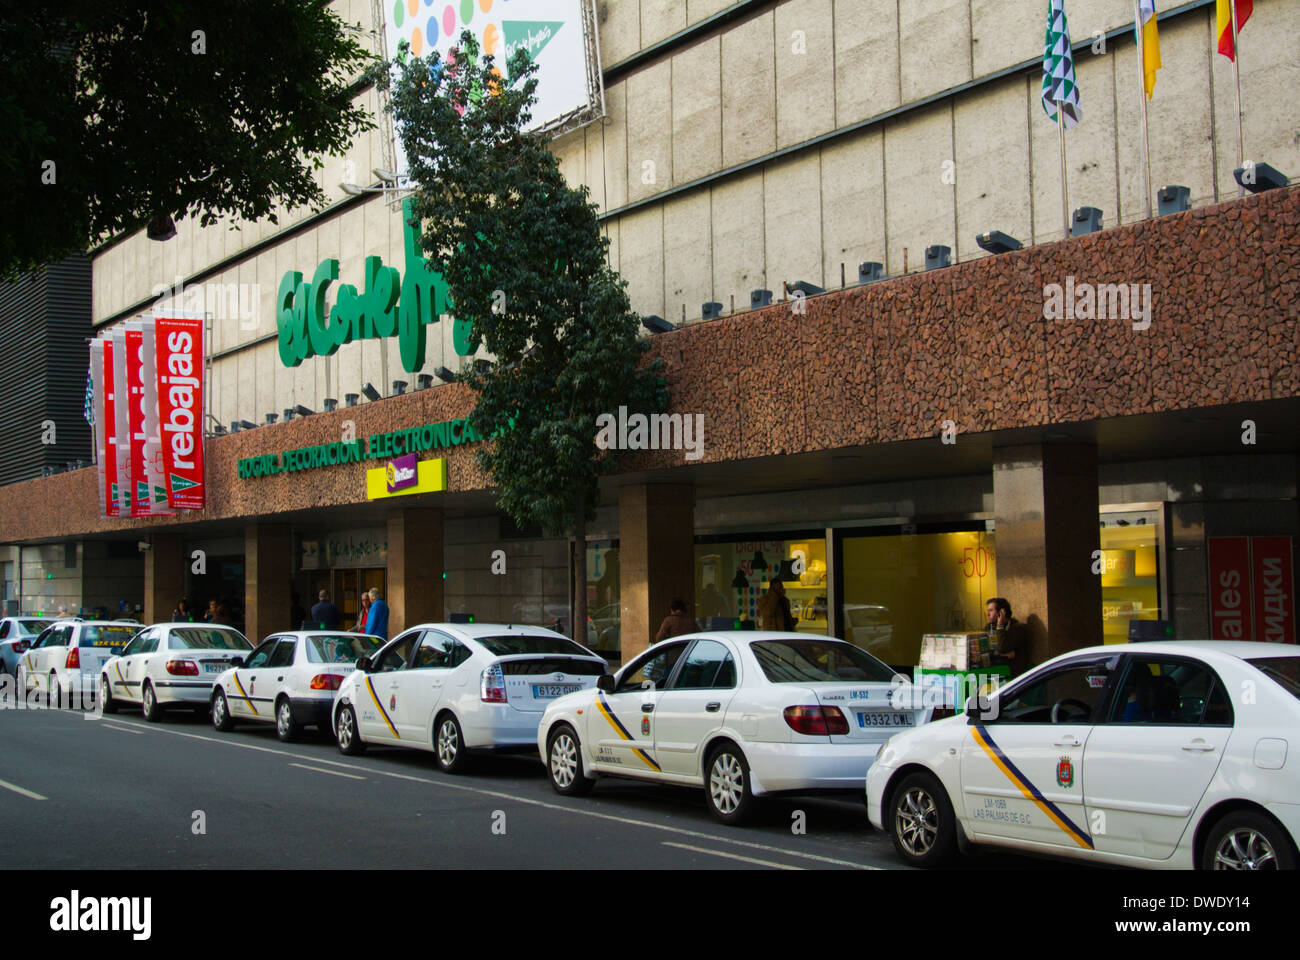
[548, 691]
[215, 667]
[885, 718]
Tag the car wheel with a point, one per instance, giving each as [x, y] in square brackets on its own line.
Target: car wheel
[564, 763]
[106, 700]
[53, 693]
[149, 704]
[726, 785]
[286, 728]
[921, 821]
[221, 719]
[349, 737]
[1244, 840]
[449, 745]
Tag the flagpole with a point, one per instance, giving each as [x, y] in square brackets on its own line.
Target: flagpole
[1236, 77]
[1065, 183]
[1142, 95]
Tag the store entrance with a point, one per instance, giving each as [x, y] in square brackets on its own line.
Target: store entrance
[348, 585]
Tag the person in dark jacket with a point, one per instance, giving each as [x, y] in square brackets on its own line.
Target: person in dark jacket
[677, 622]
[1009, 637]
[324, 615]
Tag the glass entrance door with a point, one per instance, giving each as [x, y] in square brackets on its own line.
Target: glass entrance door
[348, 587]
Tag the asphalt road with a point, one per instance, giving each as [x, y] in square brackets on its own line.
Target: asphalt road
[118, 792]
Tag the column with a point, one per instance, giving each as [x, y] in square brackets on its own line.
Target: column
[415, 538]
[656, 533]
[268, 580]
[1045, 505]
[164, 576]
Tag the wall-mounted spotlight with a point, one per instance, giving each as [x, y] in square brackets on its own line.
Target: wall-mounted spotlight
[869, 271]
[1257, 176]
[806, 288]
[995, 241]
[271, 418]
[1173, 199]
[1085, 220]
[399, 387]
[445, 375]
[219, 430]
[656, 324]
[287, 415]
[370, 392]
[711, 310]
[331, 403]
[302, 411]
[424, 381]
[937, 257]
[759, 298]
[351, 189]
[387, 176]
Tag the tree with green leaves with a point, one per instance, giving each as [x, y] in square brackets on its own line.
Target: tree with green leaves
[526, 264]
[117, 113]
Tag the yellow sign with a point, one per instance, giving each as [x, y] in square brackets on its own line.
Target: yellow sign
[400, 477]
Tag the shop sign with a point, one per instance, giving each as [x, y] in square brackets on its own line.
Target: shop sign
[357, 548]
[1274, 603]
[1252, 589]
[390, 305]
[1229, 588]
[405, 476]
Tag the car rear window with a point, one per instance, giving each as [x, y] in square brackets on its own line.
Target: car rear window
[199, 638]
[114, 638]
[580, 668]
[526, 643]
[818, 661]
[1284, 670]
[341, 648]
[34, 626]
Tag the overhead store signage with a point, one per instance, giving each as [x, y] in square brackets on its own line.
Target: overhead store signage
[406, 475]
[1252, 589]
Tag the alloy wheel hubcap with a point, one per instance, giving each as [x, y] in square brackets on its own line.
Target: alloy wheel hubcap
[345, 729]
[283, 718]
[726, 783]
[1245, 849]
[916, 821]
[219, 708]
[447, 743]
[564, 760]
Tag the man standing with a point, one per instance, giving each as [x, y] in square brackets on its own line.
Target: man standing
[1010, 638]
[377, 622]
[676, 623]
[324, 616]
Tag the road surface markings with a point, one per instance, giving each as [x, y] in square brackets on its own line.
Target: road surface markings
[733, 856]
[113, 726]
[25, 793]
[332, 773]
[592, 814]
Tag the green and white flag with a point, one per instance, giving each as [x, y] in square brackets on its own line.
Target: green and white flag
[1059, 85]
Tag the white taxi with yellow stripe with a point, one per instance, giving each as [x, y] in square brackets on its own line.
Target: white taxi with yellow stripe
[1168, 755]
[742, 714]
[451, 688]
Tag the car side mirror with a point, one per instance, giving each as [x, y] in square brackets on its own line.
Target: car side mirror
[605, 683]
[363, 664]
[236, 661]
[973, 710]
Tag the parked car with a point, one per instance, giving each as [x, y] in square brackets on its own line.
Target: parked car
[452, 688]
[742, 714]
[290, 680]
[68, 656]
[1168, 755]
[16, 636]
[170, 665]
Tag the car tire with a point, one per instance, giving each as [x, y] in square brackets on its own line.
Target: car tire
[449, 744]
[220, 713]
[564, 763]
[149, 704]
[1246, 840]
[286, 727]
[106, 701]
[921, 822]
[348, 734]
[726, 785]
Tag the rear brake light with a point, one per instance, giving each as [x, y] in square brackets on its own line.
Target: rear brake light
[326, 681]
[493, 686]
[74, 660]
[20, 646]
[183, 668]
[817, 721]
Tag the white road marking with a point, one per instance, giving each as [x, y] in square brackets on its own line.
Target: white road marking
[733, 856]
[332, 773]
[25, 793]
[114, 726]
[680, 831]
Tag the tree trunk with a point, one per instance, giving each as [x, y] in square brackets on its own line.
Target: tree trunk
[580, 571]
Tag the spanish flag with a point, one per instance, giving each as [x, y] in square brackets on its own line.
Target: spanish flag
[1151, 43]
[1224, 24]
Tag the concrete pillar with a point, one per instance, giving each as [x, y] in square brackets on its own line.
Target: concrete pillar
[656, 534]
[1045, 505]
[415, 538]
[268, 580]
[164, 576]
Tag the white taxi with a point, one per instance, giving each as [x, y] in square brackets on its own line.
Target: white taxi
[741, 714]
[1165, 755]
[290, 680]
[66, 658]
[170, 665]
[454, 687]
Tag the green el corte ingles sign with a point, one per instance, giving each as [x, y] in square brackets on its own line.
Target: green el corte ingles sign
[389, 305]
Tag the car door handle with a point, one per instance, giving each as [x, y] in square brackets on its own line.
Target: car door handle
[713, 706]
[647, 708]
[1070, 742]
[1198, 746]
[278, 679]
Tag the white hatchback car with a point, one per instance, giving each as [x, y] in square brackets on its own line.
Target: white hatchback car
[16, 637]
[742, 714]
[1164, 755]
[454, 687]
[290, 680]
[170, 665]
[65, 660]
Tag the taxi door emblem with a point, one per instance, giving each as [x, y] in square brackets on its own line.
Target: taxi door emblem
[392, 702]
[645, 726]
[1065, 772]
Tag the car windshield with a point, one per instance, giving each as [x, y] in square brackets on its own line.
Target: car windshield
[818, 661]
[1284, 670]
[341, 648]
[200, 638]
[528, 643]
[33, 626]
[114, 638]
